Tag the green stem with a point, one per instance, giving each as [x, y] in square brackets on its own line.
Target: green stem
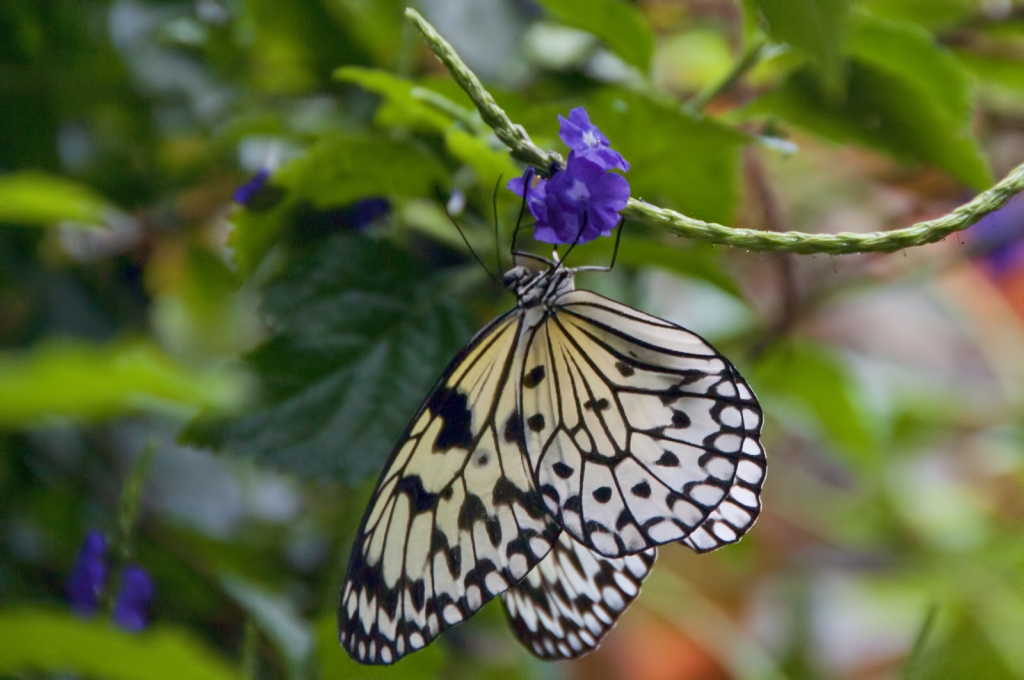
[511, 135]
[523, 149]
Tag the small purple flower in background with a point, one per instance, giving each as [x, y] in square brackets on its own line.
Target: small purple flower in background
[583, 137]
[581, 202]
[366, 211]
[245, 193]
[88, 582]
[131, 608]
[89, 575]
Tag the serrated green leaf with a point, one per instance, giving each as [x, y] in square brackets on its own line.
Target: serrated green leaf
[815, 381]
[818, 28]
[621, 26]
[93, 382]
[334, 172]
[402, 108]
[39, 199]
[38, 641]
[359, 336]
[912, 53]
[885, 112]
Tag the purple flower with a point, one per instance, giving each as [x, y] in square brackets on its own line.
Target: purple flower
[131, 608]
[581, 202]
[577, 204]
[89, 575]
[583, 137]
[536, 195]
[245, 193]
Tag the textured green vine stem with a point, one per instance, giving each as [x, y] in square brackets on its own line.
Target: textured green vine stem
[523, 149]
[513, 136]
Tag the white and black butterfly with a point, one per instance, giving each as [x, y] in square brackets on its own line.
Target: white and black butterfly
[571, 436]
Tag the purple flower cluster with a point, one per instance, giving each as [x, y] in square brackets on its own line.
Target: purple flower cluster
[88, 581]
[583, 201]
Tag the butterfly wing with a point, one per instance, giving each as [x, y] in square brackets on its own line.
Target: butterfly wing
[571, 600]
[638, 432]
[454, 519]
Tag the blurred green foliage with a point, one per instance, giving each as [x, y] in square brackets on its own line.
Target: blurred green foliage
[273, 352]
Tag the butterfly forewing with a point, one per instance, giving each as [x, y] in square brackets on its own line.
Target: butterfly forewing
[454, 520]
[638, 432]
[569, 602]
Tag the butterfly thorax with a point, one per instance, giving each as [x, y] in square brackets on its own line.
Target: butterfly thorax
[539, 288]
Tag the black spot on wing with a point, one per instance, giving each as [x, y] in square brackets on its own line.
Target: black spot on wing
[642, 490]
[452, 408]
[680, 419]
[536, 422]
[533, 377]
[596, 405]
[624, 369]
[668, 459]
[562, 470]
[513, 431]
[603, 494]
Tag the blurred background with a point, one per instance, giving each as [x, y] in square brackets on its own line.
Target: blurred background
[227, 281]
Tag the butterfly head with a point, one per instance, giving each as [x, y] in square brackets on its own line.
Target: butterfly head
[533, 288]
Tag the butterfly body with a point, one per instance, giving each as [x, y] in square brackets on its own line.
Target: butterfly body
[573, 433]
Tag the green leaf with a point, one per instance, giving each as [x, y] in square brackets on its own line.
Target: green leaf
[912, 54]
[993, 69]
[931, 14]
[39, 199]
[818, 28]
[489, 164]
[814, 381]
[402, 108]
[277, 618]
[621, 26]
[360, 334]
[36, 641]
[883, 111]
[677, 161]
[334, 172]
[94, 382]
[333, 662]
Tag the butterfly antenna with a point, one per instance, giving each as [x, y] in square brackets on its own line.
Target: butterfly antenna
[618, 238]
[527, 179]
[579, 235]
[463, 235]
[494, 207]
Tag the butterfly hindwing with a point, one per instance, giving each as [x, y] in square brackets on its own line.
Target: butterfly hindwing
[638, 432]
[454, 519]
[569, 602]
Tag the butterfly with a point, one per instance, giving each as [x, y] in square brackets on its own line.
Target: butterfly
[561, 446]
